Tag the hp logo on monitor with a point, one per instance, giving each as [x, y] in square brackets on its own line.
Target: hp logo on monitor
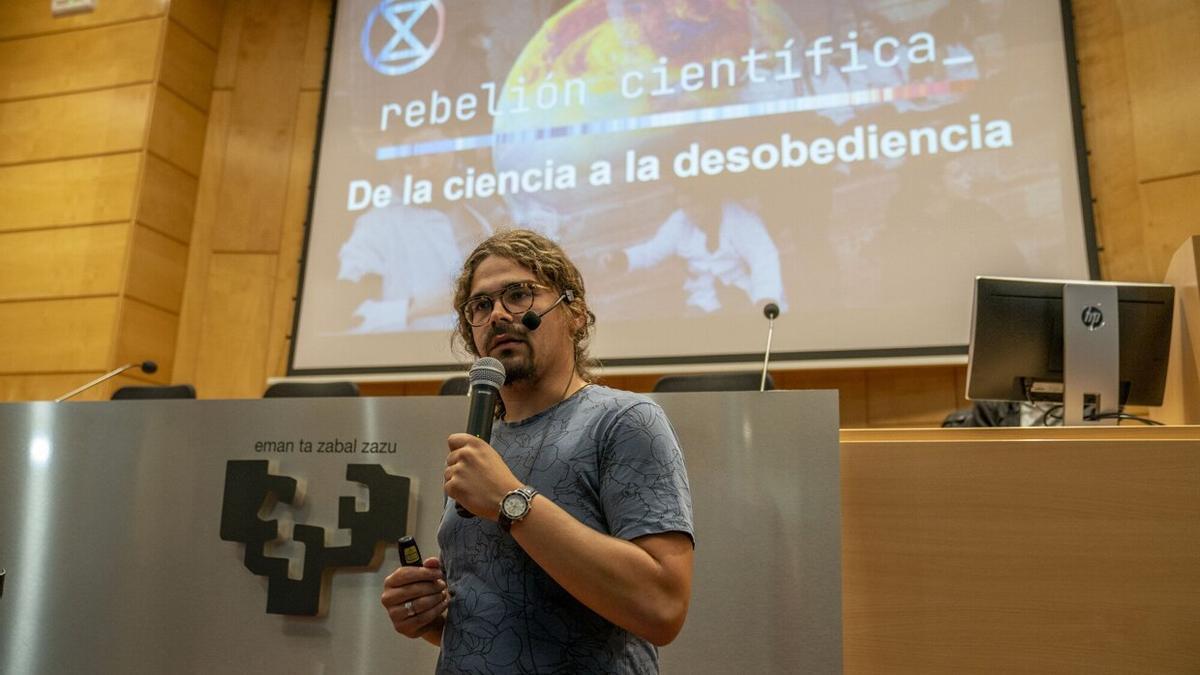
[1092, 317]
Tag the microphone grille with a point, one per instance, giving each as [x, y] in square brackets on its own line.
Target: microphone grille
[487, 370]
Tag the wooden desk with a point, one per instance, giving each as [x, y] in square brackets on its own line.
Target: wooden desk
[1021, 550]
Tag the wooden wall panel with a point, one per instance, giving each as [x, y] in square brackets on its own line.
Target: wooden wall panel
[960, 387]
[33, 17]
[253, 180]
[156, 272]
[187, 66]
[80, 147]
[903, 397]
[177, 131]
[1140, 86]
[1163, 58]
[319, 21]
[76, 125]
[638, 383]
[146, 332]
[69, 192]
[47, 387]
[1108, 130]
[271, 48]
[167, 200]
[231, 362]
[191, 316]
[80, 60]
[851, 385]
[415, 388]
[200, 17]
[287, 271]
[867, 397]
[1181, 391]
[225, 74]
[72, 133]
[62, 262]
[57, 335]
[1174, 215]
[304, 139]
[50, 387]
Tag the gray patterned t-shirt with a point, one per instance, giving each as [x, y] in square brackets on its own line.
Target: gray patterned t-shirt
[609, 458]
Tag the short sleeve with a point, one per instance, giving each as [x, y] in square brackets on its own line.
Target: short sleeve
[643, 481]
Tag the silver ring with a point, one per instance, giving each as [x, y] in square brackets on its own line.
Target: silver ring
[409, 606]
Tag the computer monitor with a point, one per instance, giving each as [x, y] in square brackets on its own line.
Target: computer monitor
[1027, 344]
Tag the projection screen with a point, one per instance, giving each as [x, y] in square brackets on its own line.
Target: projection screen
[856, 162]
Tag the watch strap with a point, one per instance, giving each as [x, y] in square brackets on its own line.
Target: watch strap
[526, 491]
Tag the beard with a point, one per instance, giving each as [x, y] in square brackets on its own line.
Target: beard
[518, 366]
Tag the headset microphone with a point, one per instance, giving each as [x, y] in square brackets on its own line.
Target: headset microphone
[531, 319]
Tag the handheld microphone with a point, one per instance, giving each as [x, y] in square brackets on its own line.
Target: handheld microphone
[486, 377]
[771, 311]
[531, 319]
[148, 367]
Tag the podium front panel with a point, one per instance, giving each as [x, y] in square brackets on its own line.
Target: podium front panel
[127, 533]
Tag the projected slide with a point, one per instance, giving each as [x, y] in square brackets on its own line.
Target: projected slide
[856, 162]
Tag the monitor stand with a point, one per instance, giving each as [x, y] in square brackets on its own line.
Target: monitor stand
[1091, 353]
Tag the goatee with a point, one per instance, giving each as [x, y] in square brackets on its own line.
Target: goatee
[519, 371]
[517, 367]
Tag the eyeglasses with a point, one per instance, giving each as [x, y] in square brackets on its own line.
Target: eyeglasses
[517, 299]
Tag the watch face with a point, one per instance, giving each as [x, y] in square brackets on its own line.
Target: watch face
[514, 505]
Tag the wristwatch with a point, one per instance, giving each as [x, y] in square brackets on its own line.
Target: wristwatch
[515, 506]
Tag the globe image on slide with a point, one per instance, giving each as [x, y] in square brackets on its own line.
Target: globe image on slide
[599, 62]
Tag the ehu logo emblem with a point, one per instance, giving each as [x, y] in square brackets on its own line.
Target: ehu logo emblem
[249, 486]
[1092, 317]
[410, 34]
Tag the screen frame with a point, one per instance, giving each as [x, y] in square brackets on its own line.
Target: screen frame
[781, 360]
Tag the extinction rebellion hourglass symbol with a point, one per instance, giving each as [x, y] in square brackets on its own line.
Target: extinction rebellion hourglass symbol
[411, 43]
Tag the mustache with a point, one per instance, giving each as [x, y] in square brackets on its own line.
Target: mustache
[509, 330]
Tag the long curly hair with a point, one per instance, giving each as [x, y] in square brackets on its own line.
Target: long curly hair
[550, 264]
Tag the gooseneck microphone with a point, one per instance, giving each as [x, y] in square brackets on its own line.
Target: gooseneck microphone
[771, 311]
[486, 377]
[148, 367]
[531, 319]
